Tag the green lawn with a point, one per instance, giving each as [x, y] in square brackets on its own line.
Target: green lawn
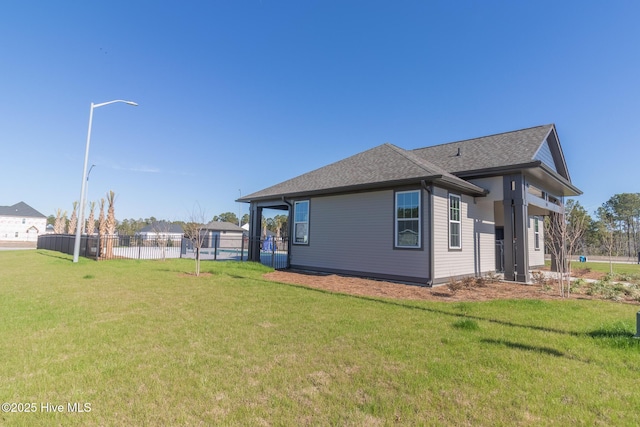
[604, 267]
[146, 343]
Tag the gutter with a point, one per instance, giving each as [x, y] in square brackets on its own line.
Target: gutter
[429, 189]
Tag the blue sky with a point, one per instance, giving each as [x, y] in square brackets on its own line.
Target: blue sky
[235, 96]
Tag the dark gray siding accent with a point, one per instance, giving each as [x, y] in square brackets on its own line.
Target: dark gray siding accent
[355, 233]
[545, 156]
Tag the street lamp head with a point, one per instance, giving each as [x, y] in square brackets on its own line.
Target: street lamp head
[135, 104]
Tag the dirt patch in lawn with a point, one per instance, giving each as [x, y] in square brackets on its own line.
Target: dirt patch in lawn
[377, 288]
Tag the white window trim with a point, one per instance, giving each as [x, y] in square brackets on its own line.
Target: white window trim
[536, 233]
[396, 219]
[452, 221]
[295, 206]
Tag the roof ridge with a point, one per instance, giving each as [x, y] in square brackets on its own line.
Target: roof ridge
[407, 154]
[485, 136]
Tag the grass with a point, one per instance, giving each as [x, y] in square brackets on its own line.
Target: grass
[147, 343]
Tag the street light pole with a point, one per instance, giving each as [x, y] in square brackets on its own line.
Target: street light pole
[76, 247]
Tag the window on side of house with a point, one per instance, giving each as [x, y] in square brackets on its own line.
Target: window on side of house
[301, 222]
[454, 222]
[407, 219]
[536, 233]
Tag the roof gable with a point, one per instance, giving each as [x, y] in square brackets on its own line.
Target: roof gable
[544, 155]
[20, 209]
[385, 164]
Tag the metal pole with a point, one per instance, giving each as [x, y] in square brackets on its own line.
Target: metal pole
[76, 248]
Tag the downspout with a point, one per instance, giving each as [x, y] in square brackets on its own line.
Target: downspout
[429, 189]
[289, 231]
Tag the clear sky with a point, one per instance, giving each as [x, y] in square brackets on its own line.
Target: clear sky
[235, 96]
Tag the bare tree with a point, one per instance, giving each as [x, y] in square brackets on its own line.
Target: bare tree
[565, 230]
[195, 231]
[162, 230]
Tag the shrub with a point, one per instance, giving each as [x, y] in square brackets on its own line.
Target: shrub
[539, 278]
[454, 285]
[576, 284]
[469, 282]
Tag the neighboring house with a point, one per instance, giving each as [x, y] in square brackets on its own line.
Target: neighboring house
[162, 230]
[222, 234]
[21, 223]
[425, 215]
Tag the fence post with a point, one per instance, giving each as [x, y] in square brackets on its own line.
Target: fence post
[215, 247]
[242, 248]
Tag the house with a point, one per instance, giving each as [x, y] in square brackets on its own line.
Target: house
[222, 234]
[162, 230]
[425, 215]
[21, 223]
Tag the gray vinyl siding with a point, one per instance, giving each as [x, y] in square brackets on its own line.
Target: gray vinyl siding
[545, 156]
[477, 255]
[355, 233]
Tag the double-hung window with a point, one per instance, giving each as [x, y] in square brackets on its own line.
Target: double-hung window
[408, 230]
[301, 222]
[536, 233]
[454, 222]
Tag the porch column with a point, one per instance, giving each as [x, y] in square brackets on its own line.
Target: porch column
[516, 214]
[254, 230]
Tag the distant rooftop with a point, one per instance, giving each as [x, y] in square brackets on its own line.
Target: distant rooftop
[20, 209]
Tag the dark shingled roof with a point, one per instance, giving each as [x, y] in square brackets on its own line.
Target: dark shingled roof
[223, 226]
[385, 164]
[494, 151]
[162, 227]
[20, 209]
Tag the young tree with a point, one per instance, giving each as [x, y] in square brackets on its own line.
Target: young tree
[607, 232]
[162, 231]
[61, 220]
[73, 222]
[102, 228]
[91, 221]
[110, 222]
[195, 231]
[565, 230]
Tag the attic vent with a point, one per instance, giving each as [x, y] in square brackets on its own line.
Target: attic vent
[459, 152]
